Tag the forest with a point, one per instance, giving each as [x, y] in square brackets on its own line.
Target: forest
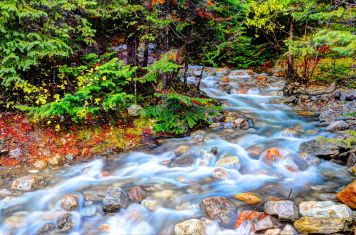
[185, 117]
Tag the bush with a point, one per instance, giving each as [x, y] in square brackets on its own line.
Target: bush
[178, 113]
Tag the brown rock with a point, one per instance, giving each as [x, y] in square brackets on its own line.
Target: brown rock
[70, 202]
[314, 225]
[28, 183]
[136, 194]
[348, 195]
[218, 208]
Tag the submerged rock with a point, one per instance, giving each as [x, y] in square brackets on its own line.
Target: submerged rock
[232, 162]
[248, 198]
[220, 173]
[325, 210]
[136, 194]
[65, 222]
[183, 161]
[115, 199]
[315, 225]
[70, 202]
[46, 228]
[284, 209]
[190, 227]
[218, 208]
[28, 183]
[348, 195]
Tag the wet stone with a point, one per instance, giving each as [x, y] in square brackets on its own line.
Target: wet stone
[214, 150]
[183, 161]
[47, 227]
[289, 230]
[28, 183]
[315, 225]
[348, 195]
[284, 209]
[325, 210]
[351, 160]
[65, 222]
[232, 162]
[136, 194]
[218, 208]
[70, 202]
[220, 173]
[190, 227]
[115, 199]
[267, 223]
[338, 126]
[319, 148]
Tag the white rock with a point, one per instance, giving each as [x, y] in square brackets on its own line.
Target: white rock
[325, 210]
[190, 227]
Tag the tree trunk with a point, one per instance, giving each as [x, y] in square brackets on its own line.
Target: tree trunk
[200, 77]
[145, 54]
[132, 45]
[290, 57]
[185, 74]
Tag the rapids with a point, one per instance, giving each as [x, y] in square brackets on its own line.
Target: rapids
[174, 192]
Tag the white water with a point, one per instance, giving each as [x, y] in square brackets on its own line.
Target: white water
[174, 193]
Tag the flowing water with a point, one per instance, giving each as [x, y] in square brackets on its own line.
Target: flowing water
[174, 191]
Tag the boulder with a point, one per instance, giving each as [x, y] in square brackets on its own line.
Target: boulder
[248, 198]
[65, 222]
[319, 148]
[284, 209]
[115, 199]
[325, 210]
[218, 208]
[348, 195]
[315, 225]
[28, 183]
[70, 202]
[183, 161]
[232, 162]
[309, 159]
[267, 223]
[338, 126]
[190, 227]
[136, 194]
[134, 110]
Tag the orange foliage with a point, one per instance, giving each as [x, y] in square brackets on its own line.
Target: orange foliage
[272, 155]
[251, 216]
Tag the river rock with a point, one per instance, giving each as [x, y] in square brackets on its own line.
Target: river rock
[183, 161]
[182, 149]
[40, 164]
[309, 159]
[348, 195]
[46, 228]
[248, 198]
[197, 136]
[338, 126]
[190, 227]
[134, 110]
[325, 210]
[28, 183]
[289, 230]
[214, 150]
[251, 216]
[232, 162]
[328, 116]
[315, 225]
[285, 209]
[272, 231]
[319, 148]
[267, 223]
[136, 194]
[220, 173]
[115, 199]
[70, 202]
[218, 208]
[65, 222]
[351, 160]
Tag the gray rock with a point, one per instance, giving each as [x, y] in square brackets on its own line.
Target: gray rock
[190, 227]
[70, 202]
[267, 223]
[28, 183]
[328, 116]
[65, 222]
[309, 159]
[214, 150]
[134, 110]
[325, 210]
[351, 161]
[115, 199]
[284, 209]
[338, 126]
[327, 197]
[218, 208]
[319, 148]
[183, 161]
[289, 230]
